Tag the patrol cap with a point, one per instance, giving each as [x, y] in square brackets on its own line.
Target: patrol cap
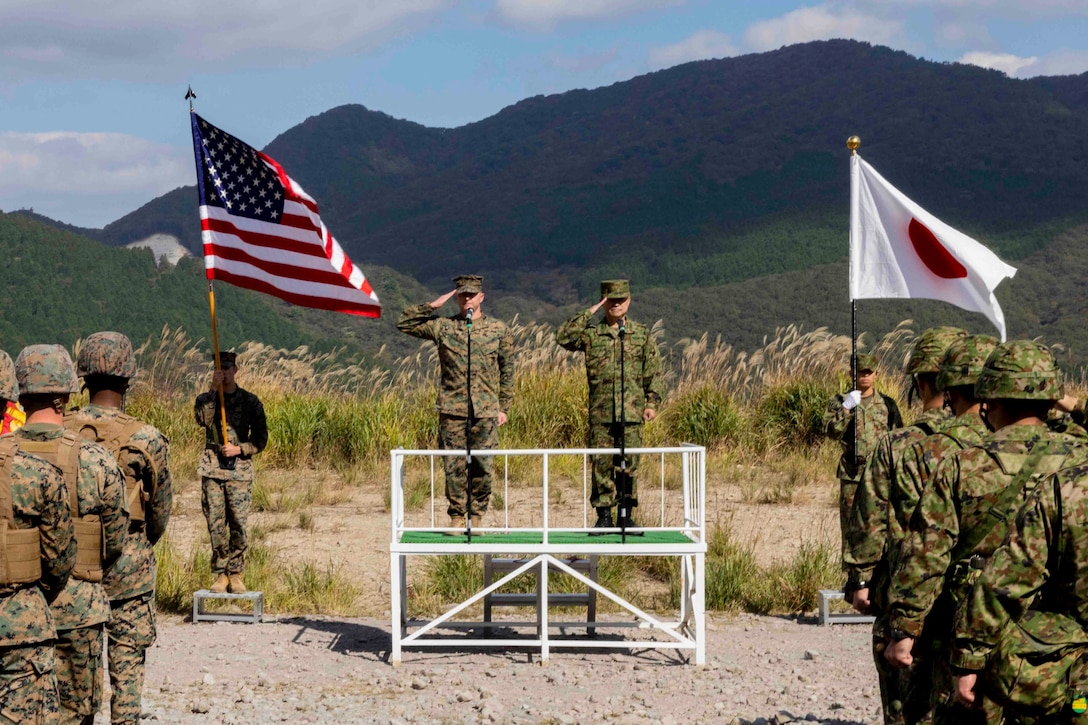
[1020, 369]
[929, 348]
[616, 289]
[9, 386]
[228, 359]
[469, 283]
[106, 353]
[45, 369]
[866, 362]
[963, 360]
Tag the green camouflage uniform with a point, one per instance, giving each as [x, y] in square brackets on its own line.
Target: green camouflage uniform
[642, 382]
[1042, 566]
[876, 523]
[226, 489]
[81, 611]
[28, 682]
[463, 419]
[874, 416]
[130, 583]
[942, 553]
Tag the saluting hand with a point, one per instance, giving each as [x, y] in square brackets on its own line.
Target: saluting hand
[598, 306]
[435, 304]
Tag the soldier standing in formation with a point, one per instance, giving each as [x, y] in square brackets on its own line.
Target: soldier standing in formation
[469, 411]
[107, 364]
[857, 420]
[960, 517]
[928, 675]
[619, 401]
[95, 489]
[226, 470]
[39, 553]
[878, 518]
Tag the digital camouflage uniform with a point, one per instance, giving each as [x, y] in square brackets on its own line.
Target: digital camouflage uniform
[1042, 567]
[953, 532]
[872, 418]
[81, 611]
[141, 450]
[227, 484]
[467, 416]
[613, 417]
[32, 495]
[877, 519]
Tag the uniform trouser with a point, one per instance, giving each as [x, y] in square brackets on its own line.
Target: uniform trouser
[454, 434]
[28, 685]
[131, 630]
[79, 673]
[848, 487]
[609, 435]
[904, 693]
[226, 506]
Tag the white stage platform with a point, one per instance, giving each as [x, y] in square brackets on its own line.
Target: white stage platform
[545, 532]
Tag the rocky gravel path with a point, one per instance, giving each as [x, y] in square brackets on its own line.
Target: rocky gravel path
[322, 670]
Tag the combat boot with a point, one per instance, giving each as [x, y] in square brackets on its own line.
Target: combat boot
[477, 521]
[236, 585]
[457, 522]
[220, 586]
[604, 518]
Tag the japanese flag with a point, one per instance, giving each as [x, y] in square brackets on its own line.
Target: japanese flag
[899, 250]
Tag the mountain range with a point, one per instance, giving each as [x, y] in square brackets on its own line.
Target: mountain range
[720, 188]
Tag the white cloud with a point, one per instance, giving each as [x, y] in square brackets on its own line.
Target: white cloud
[700, 46]
[88, 179]
[546, 14]
[133, 39]
[1006, 8]
[1007, 63]
[822, 22]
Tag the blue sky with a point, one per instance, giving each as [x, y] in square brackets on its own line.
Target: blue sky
[93, 122]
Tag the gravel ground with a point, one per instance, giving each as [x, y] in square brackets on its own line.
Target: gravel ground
[323, 670]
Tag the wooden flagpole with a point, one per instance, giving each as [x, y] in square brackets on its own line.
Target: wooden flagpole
[189, 96]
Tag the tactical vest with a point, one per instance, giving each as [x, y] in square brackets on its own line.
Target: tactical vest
[116, 434]
[20, 549]
[63, 452]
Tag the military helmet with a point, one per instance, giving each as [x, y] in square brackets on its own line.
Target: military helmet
[925, 357]
[1020, 369]
[45, 369]
[9, 386]
[106, 353]
[963, 360]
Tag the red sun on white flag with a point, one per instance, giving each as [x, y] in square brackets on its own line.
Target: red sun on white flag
[899, 250]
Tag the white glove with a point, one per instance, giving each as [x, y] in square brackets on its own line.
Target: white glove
[851, 399]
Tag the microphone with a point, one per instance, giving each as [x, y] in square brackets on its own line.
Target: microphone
[623, 326]
[468, 313]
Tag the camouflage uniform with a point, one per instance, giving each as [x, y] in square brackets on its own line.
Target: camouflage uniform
[1040, 567]
[876, 522]
[943, 550]
[33, 495]
[82, 609]
[612, 418]
[467, 418]
[873, 417]
[142, 453]
[227, 484]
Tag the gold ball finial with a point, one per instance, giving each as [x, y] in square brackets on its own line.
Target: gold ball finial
[853, 143]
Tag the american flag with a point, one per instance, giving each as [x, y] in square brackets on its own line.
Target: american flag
[261, 231]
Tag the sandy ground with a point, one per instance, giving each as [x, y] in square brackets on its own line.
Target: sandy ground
[337, 670]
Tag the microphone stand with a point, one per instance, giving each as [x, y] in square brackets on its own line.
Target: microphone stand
[623, 478]
[468, 429]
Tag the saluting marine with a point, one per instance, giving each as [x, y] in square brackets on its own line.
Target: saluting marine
[469, 411]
